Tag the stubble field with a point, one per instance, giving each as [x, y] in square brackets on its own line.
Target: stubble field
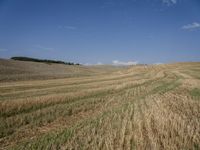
[140, 107]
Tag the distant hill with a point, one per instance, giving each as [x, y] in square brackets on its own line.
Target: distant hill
[43, 60]
[12, 70]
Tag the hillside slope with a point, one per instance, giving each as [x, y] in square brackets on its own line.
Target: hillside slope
[11, 70]
[145, 107]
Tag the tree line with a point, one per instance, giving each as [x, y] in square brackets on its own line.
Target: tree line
[43, 60]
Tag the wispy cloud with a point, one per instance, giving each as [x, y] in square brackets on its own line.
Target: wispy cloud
[43, 47]
[169, 2]
[122, 63]
[98, 64]
[67, 27]
[158, 63]
[87, 64]
[192, 26]
[114, 62]
[3, 50]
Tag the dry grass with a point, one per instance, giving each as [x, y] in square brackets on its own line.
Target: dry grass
[11, 70]
[154, 107]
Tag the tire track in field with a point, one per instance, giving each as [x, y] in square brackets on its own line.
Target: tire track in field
[137, 87]
[132, 87]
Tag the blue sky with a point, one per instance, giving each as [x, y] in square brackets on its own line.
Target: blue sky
[101, 31]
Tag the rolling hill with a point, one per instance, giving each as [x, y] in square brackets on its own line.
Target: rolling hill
[13, 70]
[140, 107]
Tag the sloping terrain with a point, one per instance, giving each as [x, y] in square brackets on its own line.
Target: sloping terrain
[11, 70]
[142, 107]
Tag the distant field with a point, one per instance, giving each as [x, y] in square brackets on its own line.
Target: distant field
[139, 107]
[11, 70]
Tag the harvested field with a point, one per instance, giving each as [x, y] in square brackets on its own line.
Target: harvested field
[11, 70]
[140, 107]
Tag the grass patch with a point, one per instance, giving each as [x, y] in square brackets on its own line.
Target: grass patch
[195, 92]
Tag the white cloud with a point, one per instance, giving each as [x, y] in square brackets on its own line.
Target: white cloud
[158, 63]
[97, 64]
[169, 2]
[87, 64]
[122, 63]
[114, 62]
[192, 26]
